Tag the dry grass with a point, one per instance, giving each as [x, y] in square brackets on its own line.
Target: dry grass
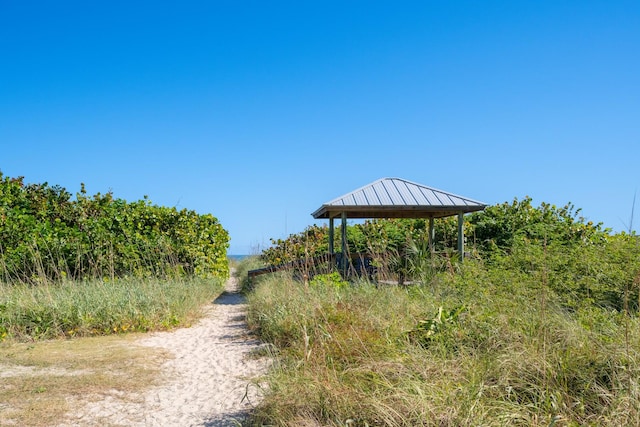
[39, 382]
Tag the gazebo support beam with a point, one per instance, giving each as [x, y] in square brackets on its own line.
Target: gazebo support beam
[461, 235]
[331, 250]
[343, 226]
[431, 236]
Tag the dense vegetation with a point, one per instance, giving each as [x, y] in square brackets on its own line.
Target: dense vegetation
[46, 235]
[538, 327]
[495, 227]
[94, 265]
[102, 306]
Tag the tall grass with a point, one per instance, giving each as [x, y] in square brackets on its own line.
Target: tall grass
[508, 342]
[98, 307]
[242, 268]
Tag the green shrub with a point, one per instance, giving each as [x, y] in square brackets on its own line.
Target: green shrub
[328, 280]
[46, 235]
[395, 246]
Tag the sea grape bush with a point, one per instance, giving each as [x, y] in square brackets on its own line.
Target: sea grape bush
[312, 242]
[500, 225]
[493, 230]
[46, 234]
[376, 238]
[581, 263]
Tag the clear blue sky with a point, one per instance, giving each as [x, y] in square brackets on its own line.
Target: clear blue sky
[260, 111]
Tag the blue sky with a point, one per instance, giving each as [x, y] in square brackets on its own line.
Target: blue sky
[259, 112]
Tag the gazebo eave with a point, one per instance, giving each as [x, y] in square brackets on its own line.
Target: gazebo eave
[375, 212]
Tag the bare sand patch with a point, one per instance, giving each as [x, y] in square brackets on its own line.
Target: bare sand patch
[210, 380]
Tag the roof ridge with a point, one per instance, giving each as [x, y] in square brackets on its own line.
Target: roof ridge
[417, 185]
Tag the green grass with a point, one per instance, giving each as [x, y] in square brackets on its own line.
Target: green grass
[100, 307]
[241, 269]
[489, 344]
[43, 378]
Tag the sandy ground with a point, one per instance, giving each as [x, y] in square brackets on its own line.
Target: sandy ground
[210, 380]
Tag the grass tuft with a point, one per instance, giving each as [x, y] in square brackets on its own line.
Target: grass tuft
[101, 307]
[506, 342]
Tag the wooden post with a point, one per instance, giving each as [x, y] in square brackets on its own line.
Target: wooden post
[344, 243]
[431, 236]
[461, 235]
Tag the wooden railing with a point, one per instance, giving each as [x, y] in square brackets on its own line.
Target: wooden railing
[359, 264]
[308, 266]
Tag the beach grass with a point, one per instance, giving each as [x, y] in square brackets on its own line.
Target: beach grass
[482, 345]
[101, 307]
[43, 372]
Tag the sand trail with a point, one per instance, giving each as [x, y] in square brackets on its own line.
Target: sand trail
[210, 379]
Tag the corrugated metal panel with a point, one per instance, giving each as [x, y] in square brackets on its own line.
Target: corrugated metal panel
[386, 197]
[399, 192]
[409, 197]
[370, 196]
[394, 193]
[397, 198]
[360, 199]
[432, 198]
[421, 198]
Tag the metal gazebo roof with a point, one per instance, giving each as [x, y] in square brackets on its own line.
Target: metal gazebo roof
[397, 198]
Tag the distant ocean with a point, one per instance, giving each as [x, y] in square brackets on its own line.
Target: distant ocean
[237, 257]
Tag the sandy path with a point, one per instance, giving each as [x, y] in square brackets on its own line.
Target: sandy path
[209, 379]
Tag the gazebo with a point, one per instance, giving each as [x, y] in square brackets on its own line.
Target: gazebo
[396, 198]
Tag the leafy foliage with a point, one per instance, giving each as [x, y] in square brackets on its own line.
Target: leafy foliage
[313, 241]
[392, 243]
[500, 225]
[544, 333]
[539, 327]
[46, 234]
[328, 280]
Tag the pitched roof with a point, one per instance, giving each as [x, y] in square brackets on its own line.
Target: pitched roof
[397, 198]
